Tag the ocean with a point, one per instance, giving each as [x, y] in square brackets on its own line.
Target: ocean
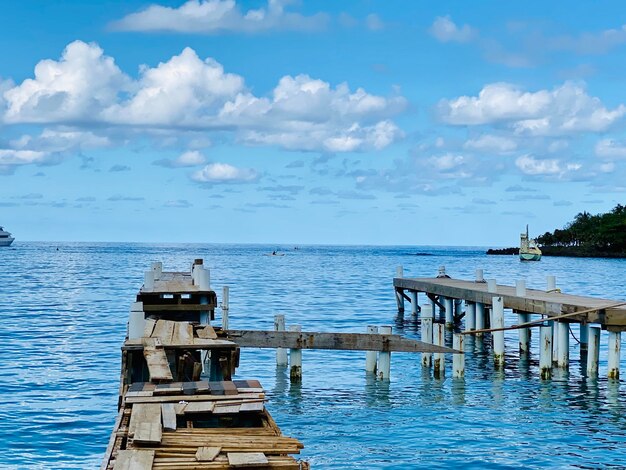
[63, 314]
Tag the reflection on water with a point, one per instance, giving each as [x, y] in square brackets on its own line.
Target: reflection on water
[64, 316]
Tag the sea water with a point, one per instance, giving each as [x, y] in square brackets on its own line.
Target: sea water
[63, 314]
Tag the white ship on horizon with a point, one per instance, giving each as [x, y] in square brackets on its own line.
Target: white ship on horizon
[5, 238]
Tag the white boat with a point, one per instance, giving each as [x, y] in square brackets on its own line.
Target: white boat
[528, 249]
[5, 238]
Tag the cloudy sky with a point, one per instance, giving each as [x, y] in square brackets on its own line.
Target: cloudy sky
[356, 122]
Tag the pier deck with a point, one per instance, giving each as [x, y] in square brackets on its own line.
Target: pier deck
[609, 315]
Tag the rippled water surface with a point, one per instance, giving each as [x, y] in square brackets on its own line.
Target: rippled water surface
[64, 309]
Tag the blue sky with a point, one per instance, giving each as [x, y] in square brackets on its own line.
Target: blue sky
[362, 122]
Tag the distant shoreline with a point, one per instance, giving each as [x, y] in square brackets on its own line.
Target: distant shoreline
[565, 251]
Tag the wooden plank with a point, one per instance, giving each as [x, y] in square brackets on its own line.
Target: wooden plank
[344, 341]
[183, 333]
[158, 366]
[190, 398]
[200, 407]
[217, 388]
[226, 409]
[134, 460]
[173, 388]
[143, 413]
[149, 327]
[207, 454]
[202, 386]
[229, 387]
[252, 406]
[179, 408]
[148, 433]
[164, 330]
[168, 414]
[246, 459]
[207, 332]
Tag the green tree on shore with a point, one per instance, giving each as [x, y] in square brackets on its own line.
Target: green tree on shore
[601, 232]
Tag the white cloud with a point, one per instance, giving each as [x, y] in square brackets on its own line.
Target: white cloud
[218, 16]
[191, 158]
[224, 173]
[52, 140]
[529, 165]
[611, 149]
[10, 157]
[491, 143]
[445, 30]
[564, 110]
[185, 93]
[75, 88]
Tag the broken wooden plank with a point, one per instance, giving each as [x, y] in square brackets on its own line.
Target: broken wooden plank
[246, 459]
[134, 460]
[149, 327]
[158, 365]
[252, 406]
[207, 332]
[148, 433]
[207, 454]
[189, 398]
[164, 330]
[143, 413]
[183, 333]
[344, 341]
[168, 414]
[172, 388]
[229, 388]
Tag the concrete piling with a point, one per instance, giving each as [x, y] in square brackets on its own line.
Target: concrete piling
[136, 321]
[448, 304]
[615, 340]
[225, 307]
[492, 286]
[439, 361]
[281, 353]
[470, 316]
[480, 317]
[524, 333]
[562, 359]
[520, 288]
[551, 283]
[157, 267]
[414, 305]
[583, 333]
[384, 357]
[148, 280]
[458, 360]
[399, 297]
[427, 333]
[295, 360]
[480, 276]
[370, 356]
[545, 351]
[498, 336]
[593, 351]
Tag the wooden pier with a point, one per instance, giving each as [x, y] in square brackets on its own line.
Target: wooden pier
[485, 301]
[179, 407]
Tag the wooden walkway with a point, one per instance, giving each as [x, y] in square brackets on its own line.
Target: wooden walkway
[534, 301]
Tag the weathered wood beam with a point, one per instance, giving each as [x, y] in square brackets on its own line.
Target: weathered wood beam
[343, 341]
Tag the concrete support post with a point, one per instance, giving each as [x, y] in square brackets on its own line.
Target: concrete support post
[448, 304]
[281, 353]
[458, 360]
[545, 351]
[458, 309]
[562, 360]
[520, 288]
[295, 360]
[136, 321]
[384, 357]
[480, 317]
[414, 306]
[370, 356]
[225, 306]
[551, 283]
[593, 352]
[439, 358]
[427, 333]
[524, 333]
[470, 316]
[204, 278]
[480, 276]
[584, 338]
[148, 281]
[399, 297]
[498, 336]
[492, 286]
[615, 344]
[157, 267]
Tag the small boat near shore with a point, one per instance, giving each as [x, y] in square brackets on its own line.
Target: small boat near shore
[528, 250]
[5, 238]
